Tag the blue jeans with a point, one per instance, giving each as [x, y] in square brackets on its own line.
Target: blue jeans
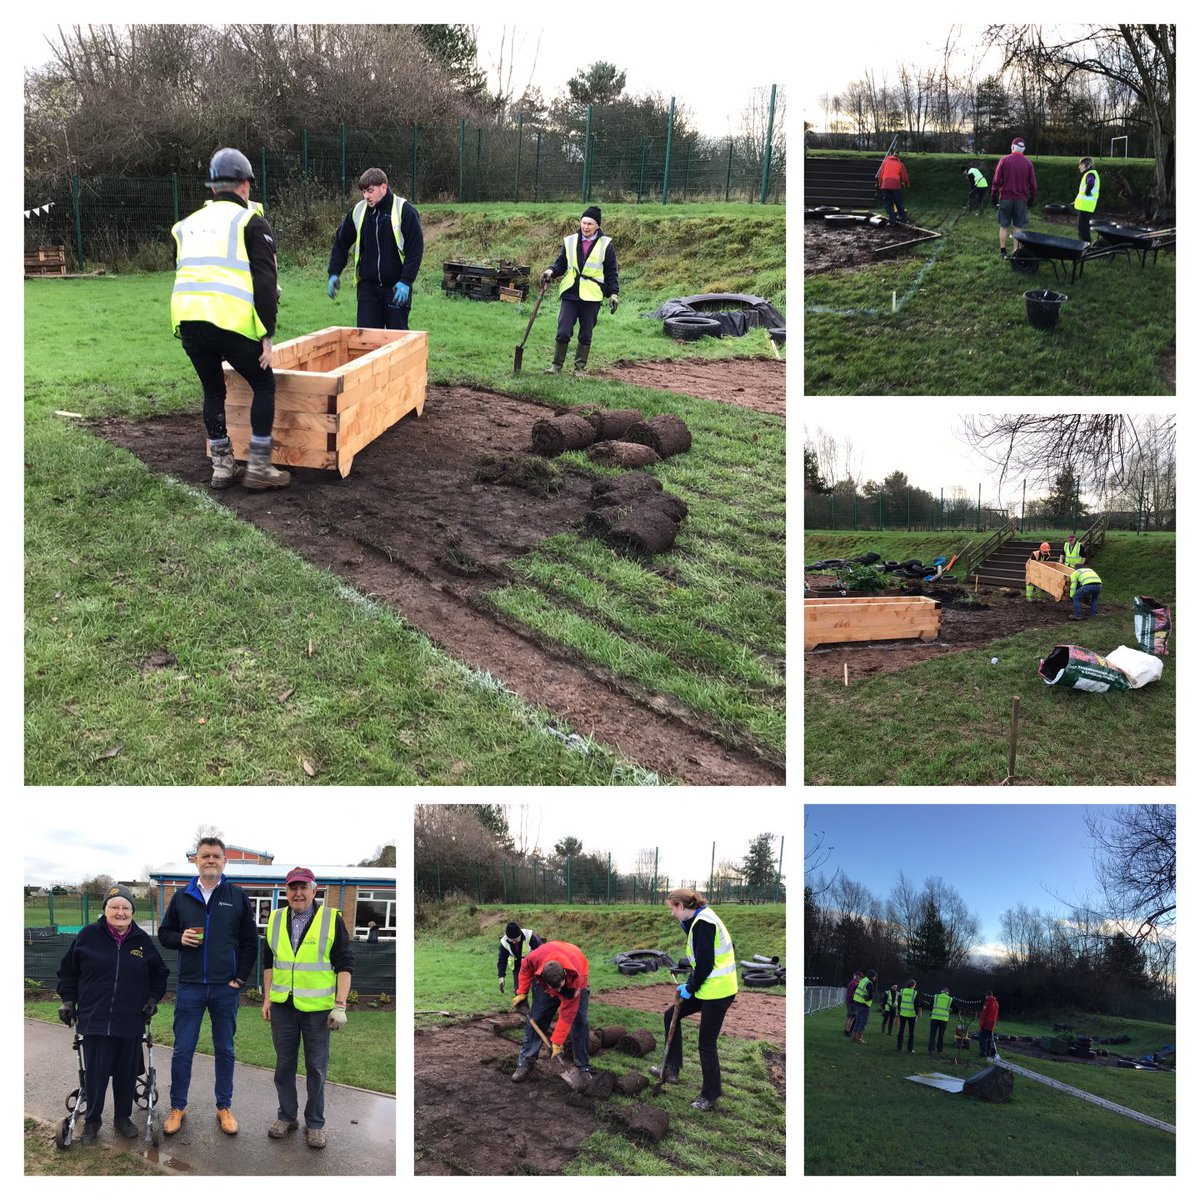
[289, 1027]
[192, 1000]
[893, 202]
[1089, 591]
[543, 1006]
[862, 1017]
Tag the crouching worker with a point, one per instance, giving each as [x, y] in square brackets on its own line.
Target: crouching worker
[556, 974]
[1085, 585]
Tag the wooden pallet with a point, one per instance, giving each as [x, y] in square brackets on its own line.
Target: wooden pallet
[1053, 578]
[46, 260]
[336, 391]
[870, 618]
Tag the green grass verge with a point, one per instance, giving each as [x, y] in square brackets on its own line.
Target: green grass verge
[1039, 1132]
[43, 1157]
[363, 1054]
[946, 720]
[960, 302]
[120, 563]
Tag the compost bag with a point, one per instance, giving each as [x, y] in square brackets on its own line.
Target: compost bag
[1151, 625]
[1084, 670]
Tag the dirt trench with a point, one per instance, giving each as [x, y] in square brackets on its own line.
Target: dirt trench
[411, 528]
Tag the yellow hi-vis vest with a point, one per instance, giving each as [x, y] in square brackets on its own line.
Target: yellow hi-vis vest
[722, 979]
[1082, 577]
[306, 974]
[941, 1007]
[1072, 554]
[1088, 203]
[212, 273]
[889, 1001]
[977, 179]
[360, 211]
[860, 992]
[592, 275]
[908, 997]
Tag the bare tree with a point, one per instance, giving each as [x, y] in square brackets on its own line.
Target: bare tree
[1133, 856]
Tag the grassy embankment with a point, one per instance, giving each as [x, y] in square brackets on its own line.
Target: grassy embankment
[455, 969]
[1039, 1132]
[961, 327]
[120, 563]
[946, 720]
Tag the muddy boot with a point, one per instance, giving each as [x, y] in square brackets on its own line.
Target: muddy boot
[560, 357]
[522, 1073]
[225, 470]
[581, 357]
[260, 474]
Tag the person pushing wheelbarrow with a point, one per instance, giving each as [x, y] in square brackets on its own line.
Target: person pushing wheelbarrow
[557, 975]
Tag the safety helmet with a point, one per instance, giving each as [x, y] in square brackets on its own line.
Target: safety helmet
[1044, 546]
[229, 166]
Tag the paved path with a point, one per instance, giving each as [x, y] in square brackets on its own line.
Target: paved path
[360, 1125]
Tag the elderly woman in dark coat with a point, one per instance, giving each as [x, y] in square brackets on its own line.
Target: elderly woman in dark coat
[111, 980]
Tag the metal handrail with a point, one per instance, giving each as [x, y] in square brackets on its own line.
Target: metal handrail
[1093, 536]
[981, 554]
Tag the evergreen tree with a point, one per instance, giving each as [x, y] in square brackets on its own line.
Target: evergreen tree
[569, 847]
[929, 948]
[814, 481]
[758, 867]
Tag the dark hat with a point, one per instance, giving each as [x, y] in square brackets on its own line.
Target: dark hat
[117, 892]
[298, 874]
[513, 930]
[592, 212]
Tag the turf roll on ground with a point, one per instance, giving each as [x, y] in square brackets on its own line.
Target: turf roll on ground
[666, 433]
[610, 1035]
[637, 1041]
[568, 432]
[624, 489]
[642, 530]
[601, 1085]
[612, 424]
[629, 455]
[650, 1120]
[631, 1083]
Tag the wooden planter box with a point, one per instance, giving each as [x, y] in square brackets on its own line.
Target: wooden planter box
[1053, 578]
[870, 619]
[336, 391]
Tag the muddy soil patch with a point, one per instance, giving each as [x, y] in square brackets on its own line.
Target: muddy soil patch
[756, 383]
[833, 247]
[412, 527]
[963, 628]
[470, 1118]
[776, 1065]
[1033, 1050]
[754, 1014]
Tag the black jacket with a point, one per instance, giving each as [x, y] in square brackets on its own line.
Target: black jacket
[260, 248]
[611, 284]
[503, 957]
[111, 984]
[379, 256]
[230, 945]
[704, 954]
[341, 954]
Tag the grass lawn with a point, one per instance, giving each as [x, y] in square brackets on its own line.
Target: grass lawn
[121, 563]
[961, 328]
[363, 1054]
[455, 969]
[946, 719]
[1039, 1132]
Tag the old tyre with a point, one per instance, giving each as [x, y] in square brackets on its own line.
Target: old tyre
[779, 335]
[691, 327]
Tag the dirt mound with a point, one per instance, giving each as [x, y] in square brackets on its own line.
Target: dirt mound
[757, 383]
[470, 1118]
[752, 1015]
[829, 247]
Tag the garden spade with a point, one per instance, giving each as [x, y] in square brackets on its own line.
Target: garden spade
[521, 348]
[662, 1070]
[572, 1076]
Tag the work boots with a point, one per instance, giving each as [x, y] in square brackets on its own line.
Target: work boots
[560, 357]
[225, 469]
[522, 1073]
[261, 474]
[581, 357]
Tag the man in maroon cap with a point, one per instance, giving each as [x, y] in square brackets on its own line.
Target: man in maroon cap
[1014, 187]
[307, 964]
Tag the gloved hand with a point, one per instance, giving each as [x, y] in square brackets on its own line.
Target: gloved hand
[337, 1018]
[150, 1009]
[612, 303]
[555, 1051]
[502, 985]
[401, 293]
[66, 1011]
[684, 994]
[332, 290]
[547, 275]
[519, 999]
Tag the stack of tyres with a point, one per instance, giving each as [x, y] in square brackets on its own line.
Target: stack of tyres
[763, 971]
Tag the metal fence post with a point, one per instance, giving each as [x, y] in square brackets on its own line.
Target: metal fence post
[667, 162]
[779, 869]
[642, 173]
[537, 167]
[342, 139]
[304, 152]
[608, 881]
[462, 150]
[412, 191]
[569, 892]
[728, 170]
[587, 142]
[517, 176]
[478, 160]
[767, 149]
[175, 195]
[654, 886]
[78, 222]
[712, 864]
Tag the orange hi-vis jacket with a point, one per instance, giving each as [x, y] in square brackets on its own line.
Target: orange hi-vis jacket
[893, 174]
[575, 962]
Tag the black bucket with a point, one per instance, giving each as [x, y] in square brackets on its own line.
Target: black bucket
[1041, 308]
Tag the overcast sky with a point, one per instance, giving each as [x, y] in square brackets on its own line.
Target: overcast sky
[665, 50]
[122, 835]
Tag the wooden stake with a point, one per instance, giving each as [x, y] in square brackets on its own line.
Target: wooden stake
[846, 674]
[1012, 742]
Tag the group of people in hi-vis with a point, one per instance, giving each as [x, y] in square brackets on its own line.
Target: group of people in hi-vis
[904, 1003]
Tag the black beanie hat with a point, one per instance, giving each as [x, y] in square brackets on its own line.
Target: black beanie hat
[513, 930]
[592, 212]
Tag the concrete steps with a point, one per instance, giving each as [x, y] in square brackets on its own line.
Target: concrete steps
[1006, 568]
[847, 182]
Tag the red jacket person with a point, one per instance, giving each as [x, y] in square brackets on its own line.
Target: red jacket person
[554, 978]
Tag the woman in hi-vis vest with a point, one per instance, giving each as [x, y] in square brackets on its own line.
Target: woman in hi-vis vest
[587, 265]
[710, 990]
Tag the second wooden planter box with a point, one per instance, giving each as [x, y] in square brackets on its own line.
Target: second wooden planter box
[1053, 578]
[336, 391]
[870, 618]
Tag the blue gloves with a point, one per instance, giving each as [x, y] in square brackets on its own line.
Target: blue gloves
[684, 994]
[333, 287]
[401, 293]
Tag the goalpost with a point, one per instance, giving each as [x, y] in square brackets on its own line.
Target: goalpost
[1112, 151]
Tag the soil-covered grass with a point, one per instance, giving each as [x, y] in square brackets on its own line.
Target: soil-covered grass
[1041, 1131]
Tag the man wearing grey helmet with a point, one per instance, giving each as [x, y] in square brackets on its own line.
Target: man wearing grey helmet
[223, 307]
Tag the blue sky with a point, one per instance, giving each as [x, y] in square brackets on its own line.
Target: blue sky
[996, 856]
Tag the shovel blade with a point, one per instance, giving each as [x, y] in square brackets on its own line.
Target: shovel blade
[574, 1078]
[517, 356]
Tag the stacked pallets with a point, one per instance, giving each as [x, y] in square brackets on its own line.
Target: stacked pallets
[480, 281]
[46, 260]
